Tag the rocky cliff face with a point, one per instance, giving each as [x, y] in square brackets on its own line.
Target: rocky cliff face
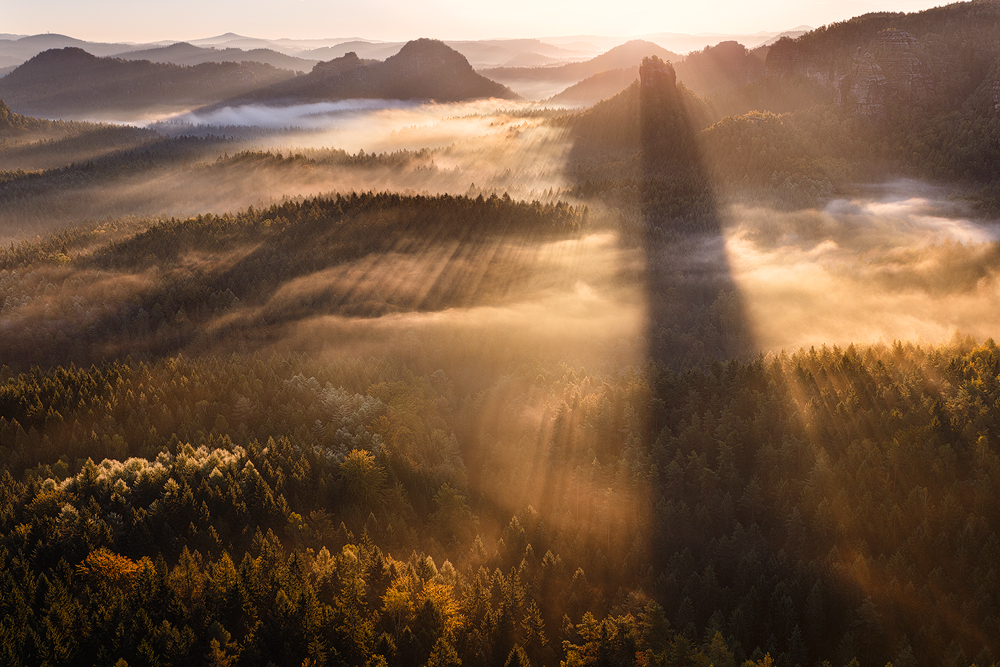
[894, 71]
[996, 97]
[654, 73]
[902, 61]
[890, 69]
[786, 58]
[863, 89]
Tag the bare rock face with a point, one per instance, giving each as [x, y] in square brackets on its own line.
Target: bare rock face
[892, 72]
[655, 73]
[863, 90]
[899, 56]
[996, 97]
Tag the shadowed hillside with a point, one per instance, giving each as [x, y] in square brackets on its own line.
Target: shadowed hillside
[70, 81]
[423, 69]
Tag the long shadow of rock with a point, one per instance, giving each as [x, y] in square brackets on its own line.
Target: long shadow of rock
[695, 310]
[638, 152]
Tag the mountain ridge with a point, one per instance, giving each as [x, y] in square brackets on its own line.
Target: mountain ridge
[71, 81]
[185, 53]
[423, 69]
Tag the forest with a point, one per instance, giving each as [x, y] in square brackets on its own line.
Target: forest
[703, 374]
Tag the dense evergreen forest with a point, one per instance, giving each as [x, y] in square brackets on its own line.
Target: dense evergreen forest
[255, 507]
[249, 509]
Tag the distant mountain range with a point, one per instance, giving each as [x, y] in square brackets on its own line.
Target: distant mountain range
[541, 82]
[70, 82]
[183, 53]
[238, 70]
[684, 43]
[16, 49]
[480, 54]
[423, 69]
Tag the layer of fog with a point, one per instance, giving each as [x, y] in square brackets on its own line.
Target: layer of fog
[304, 116]
[901, 262]
[363, 124]
[469, 148]
[564, 300]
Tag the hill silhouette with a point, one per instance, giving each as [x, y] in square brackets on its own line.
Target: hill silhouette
[183, 53]
[423, 69]
[620, 57]
[23, 48]
[598, 87]
[70, 81]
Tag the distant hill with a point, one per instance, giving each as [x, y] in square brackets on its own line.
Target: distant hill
[789, 34]
[183, 53]
[70, 81]
[530, 59]
[515, 52]
[557, 78]
[364, 50]
[598, 87]
[423, 69]
[232, 40]
[479, 53]
[23, 48]
[724, 66]
[687, 43]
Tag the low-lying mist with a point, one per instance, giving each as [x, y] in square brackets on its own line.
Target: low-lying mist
[900, 262]
[403, 147]
[479, 290]
[365, 124]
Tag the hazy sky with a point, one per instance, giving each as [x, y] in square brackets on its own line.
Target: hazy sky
[151, 20]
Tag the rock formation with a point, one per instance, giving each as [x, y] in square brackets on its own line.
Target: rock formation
[899, 55]
[657, 74]
[890, 69]
[996, 97]
[863, 90]
[891, 72]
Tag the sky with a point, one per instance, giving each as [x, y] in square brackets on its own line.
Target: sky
[392, 20]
